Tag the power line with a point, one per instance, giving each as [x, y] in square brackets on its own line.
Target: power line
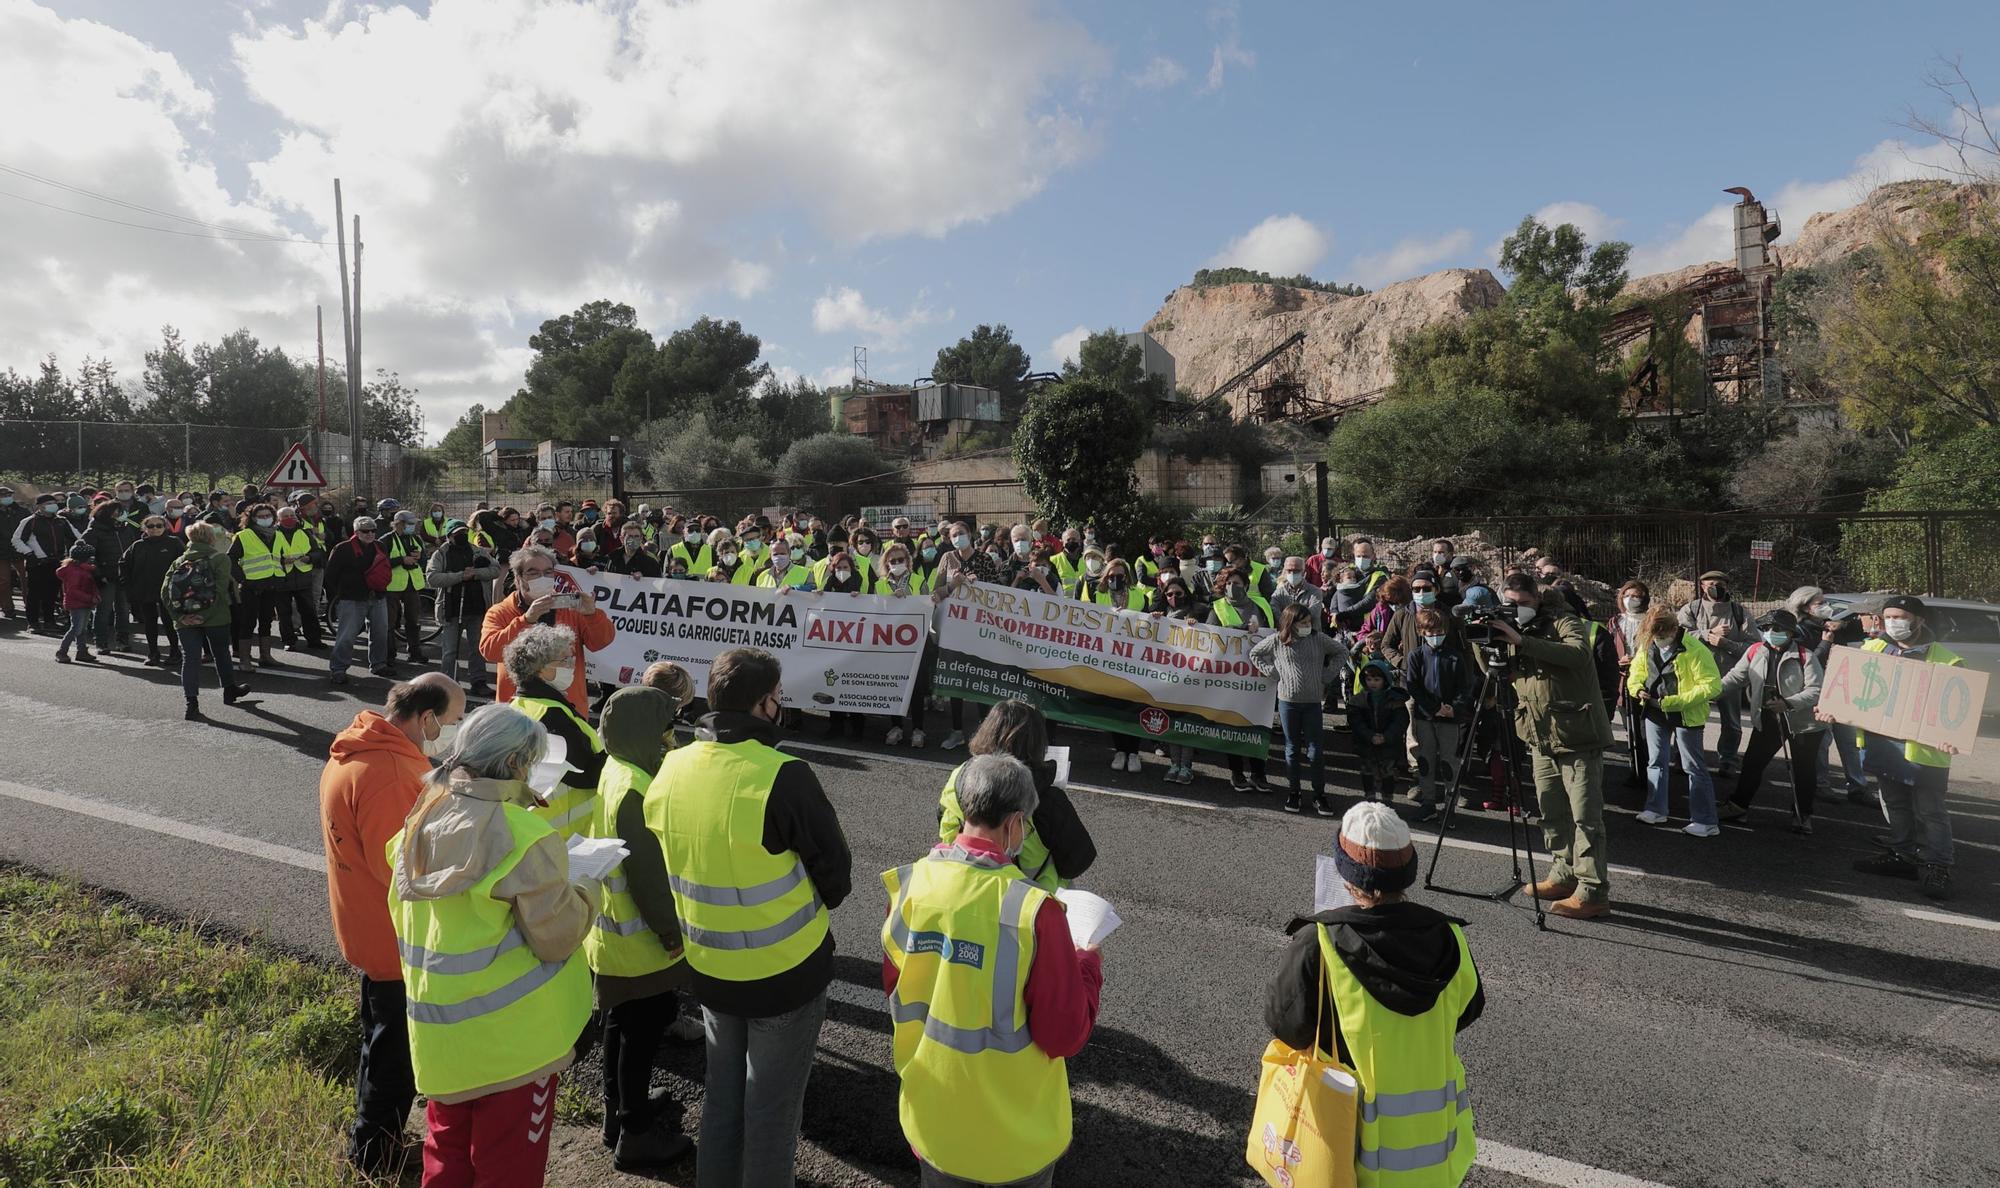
[162, 230]
[30, 175]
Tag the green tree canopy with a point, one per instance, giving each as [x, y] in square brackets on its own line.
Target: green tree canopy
[1076, 446]
[839, 473]
[588, 377]
[390, 412]
[988, 357]
[784, 413]
[1106, 355]
[697, 454]
[464, 441]
[1208, 278]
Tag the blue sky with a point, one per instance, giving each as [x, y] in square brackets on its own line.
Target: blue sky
[891, 173]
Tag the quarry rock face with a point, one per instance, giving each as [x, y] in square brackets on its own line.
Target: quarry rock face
[1215, 332]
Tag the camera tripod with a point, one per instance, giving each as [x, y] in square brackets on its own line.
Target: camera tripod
[1520, 835]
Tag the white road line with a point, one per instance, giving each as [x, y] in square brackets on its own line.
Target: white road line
[1547, 1169]
[1952, 918]
[269, 851]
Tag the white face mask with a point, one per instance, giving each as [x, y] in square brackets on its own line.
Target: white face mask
[1525, 613]
[439, 747]
[1634, 604]
[1436, 641]
[781, 561]
[536, 587]
[1093, 566]
[565, 676]
[1899, 629]
[729, 557]
[1023, 547]
[864, 548]
[898, 569]
[843, 574]
[1364, 564]
[1293, 577]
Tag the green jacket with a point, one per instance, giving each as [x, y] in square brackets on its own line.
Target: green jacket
[1696, 680]
[217, 614]
[1559, 709]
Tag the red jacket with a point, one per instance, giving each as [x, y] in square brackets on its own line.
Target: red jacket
[1063, 984]
[373, 775]
[79, 584]
[504, 621]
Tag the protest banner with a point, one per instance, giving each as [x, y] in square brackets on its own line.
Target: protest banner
[844, 653]
[1113, 670]
[1937, 705]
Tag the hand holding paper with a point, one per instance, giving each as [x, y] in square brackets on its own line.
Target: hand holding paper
[594, 857]
[544, 776]
[1090, 916]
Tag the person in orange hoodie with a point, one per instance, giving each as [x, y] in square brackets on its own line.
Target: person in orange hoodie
[373, 776]
[535, 601]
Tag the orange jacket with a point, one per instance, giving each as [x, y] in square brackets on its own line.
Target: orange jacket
[504, 621]
[372, 777]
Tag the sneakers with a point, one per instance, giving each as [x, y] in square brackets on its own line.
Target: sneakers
[916, 740]
[1731, 811]
[1651, 818]
[1132, 761]
[1893, 865]
[1429, 812]
[954, 740]
[894, 738]
[1240, 784]
[1177, 774]
[1697, 829]
[1292, 804]
[1576, 907]
[1324, 807]
[1118, 761]
[1935, 881]
[1253, 784]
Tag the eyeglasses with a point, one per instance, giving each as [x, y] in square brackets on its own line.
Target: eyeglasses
[1424, 589]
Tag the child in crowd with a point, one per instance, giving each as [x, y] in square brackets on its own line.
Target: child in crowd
[1379, 718]
[78, 577]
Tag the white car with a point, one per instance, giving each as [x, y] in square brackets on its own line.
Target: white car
[1972, 629]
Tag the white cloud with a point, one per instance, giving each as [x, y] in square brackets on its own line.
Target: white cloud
[1064, 346]
[1410, 257]
[1282, 245]
[1159, 74]
[1228, 50]
[846, 310]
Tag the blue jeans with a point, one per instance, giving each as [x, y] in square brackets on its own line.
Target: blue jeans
[353, 615]
[216, 640]
[756, 1090]
[450, 633]
[79, 630]
[1842, 738]
[1661, 738]
[1303, 723]
[114, 615]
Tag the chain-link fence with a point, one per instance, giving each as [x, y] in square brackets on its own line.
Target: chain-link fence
[67, 455]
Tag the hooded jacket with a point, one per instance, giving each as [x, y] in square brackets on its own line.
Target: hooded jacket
[635, 726]
[1403, 953]
[372, 776]
[455, 841]
[1388, 717]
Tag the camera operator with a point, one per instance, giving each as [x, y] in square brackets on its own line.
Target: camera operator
[1559, 714]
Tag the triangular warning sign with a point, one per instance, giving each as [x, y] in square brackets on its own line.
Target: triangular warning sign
[296, 469]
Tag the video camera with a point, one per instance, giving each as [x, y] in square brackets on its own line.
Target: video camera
[1476, 623]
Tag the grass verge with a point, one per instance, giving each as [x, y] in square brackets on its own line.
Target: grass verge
[142, 1052]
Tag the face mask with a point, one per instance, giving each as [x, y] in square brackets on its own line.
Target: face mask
[1436, 641]
[1274, 562]
[781, 561]
[1524, 613]
[1329, 554]
[1426, 597]
[1090, 541]
[1899, 629]
[753, 546]
[961, 542]
[898, 569]
[1209, 550]
[843, 574]
[930, 553]
[1022, 547]
[1294, 577]
[1114, 583]
[863, 548]
[1072, 547]
[46, 509]
[1364, 564]
[729, 557]
[407, 529]
[536, 587]
[548, 524]
[1721, 594]
[565, 676]
[1157, 550]
[1776, 639]
[439, 747]
[586, 547]
[262, 521]
[124, 496]
[590, 517]
[1093, 567]
[1347, 587]
[157, 506]
[1213, 565]
[172, 513]
[1634, 604]
[692, 537]
[1441, 560]
[634, 543]
[437, 513]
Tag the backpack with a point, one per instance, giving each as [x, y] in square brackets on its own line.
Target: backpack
[190, 586]
[377, 574]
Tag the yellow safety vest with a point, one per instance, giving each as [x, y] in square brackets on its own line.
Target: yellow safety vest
[1068, 572]
[1916, 752]
[431, 532]
[796, 576]
[1146, 570]
[882, 582]
[1037, 865]
[1135, 598]
[978, 1099]
[863, 567]
[746, 914]
[698, 561]
[571, 806]
[260, 563]
[1416, 1111]
[483, 1009]
[401, 579]
[295, 550]
[620, 944]
[746, 571]
[1227, 616]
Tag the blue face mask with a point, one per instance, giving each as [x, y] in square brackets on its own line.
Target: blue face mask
[930, 553]
[1425, 597]
[1777, 639]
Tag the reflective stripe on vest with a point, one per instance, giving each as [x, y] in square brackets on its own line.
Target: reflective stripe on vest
[621, 944]
[295, 548]
[260, 564]
[1916, 752]
[1416, 1112]
[977, 1098]
[746, 914]
[571, 806]
[1037, 865]
[483, 1009]
[400, 578]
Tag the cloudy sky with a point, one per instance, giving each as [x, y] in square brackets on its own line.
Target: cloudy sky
[884, 173]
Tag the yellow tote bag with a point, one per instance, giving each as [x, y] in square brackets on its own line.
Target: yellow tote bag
[1302, 1135]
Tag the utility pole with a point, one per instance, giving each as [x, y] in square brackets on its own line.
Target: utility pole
[319, 383]
[354, 378]
[347, 342]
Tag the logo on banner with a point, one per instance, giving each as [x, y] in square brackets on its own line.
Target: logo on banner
[832, 677]
[1154, 720]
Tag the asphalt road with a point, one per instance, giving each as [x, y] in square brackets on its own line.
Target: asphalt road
[1754, 1013]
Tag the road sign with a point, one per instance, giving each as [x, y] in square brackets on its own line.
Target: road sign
[296, 469]
[1760, 550]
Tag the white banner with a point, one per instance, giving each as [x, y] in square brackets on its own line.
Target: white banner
[845, 653]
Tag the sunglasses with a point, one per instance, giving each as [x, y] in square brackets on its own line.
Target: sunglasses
[364, 532]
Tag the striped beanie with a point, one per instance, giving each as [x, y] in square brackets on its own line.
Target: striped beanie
[1373, 852]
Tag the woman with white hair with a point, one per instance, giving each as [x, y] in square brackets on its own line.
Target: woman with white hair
[540, 659]
[490, 930]
[1384, 986]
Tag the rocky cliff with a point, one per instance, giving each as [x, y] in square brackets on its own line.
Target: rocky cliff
[1215, 332]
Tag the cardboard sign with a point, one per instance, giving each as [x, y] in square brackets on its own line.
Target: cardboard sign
[1937, 705]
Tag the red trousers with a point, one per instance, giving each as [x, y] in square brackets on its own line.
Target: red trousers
[497, 1141]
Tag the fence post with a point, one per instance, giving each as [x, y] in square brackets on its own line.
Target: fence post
[617, 470]
[79, 453]
[1704, 545]
[1933, 555]
[1321, 523]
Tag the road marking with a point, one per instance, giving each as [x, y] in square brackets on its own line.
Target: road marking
[1547, 1169]
[250, 846]
[1952, 918]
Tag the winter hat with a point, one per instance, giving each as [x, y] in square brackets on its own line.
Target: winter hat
[82, 552]
[1778, 620]
[1909, 604]
[1373, 852]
